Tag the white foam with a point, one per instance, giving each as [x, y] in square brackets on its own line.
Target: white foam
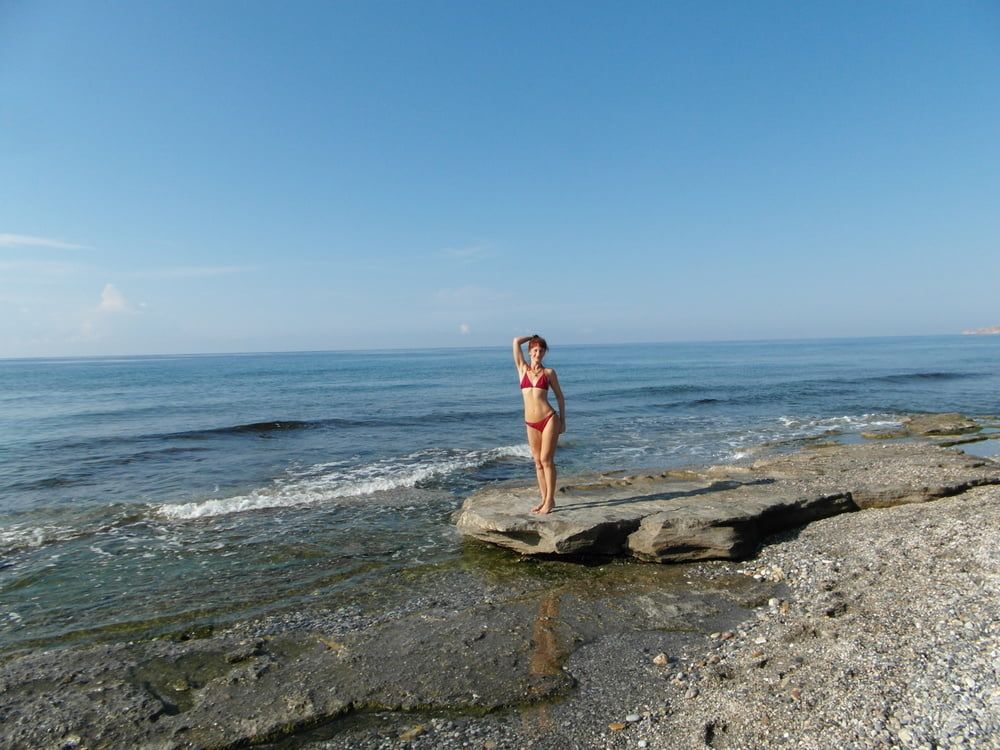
[21, 536]
[847, 422]
[325, 482]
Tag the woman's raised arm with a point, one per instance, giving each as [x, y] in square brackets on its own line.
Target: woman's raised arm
[519, 362]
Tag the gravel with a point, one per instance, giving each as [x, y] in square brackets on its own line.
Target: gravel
[887, 638]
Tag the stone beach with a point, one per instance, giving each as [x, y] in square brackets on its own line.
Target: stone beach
[875, 628]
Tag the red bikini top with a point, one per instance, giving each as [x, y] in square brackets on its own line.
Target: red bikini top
[543, 382]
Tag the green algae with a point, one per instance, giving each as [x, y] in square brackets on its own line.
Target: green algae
[175, 681]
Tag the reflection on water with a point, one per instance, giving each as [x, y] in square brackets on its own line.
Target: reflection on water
[545, 659]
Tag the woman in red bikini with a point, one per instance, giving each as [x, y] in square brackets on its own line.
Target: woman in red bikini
[544, 424]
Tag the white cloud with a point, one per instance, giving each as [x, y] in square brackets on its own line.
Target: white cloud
[470, 295]
[469, 254]
[40, 267]
[189, 272]
[25, 240]
[112, 300]
[87, 331]
[464, 329]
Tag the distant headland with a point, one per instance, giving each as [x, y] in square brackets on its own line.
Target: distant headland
[992, 330]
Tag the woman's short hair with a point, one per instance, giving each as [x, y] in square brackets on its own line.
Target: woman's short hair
[537, 340]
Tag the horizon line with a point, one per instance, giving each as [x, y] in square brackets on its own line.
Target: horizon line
[150, 355]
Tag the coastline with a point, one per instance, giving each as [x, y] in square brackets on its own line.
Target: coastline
[868, 629]
[884, 636]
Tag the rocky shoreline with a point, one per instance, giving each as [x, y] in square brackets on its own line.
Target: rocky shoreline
[882, 633]
[868, 629]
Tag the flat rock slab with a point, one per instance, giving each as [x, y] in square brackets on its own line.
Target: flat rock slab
[718, 512]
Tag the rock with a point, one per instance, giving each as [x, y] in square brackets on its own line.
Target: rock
[661, 659]
[884, 474]
[691, 693]
[632, 718]
[884, 434]
[245, 651]
[720, 512]
[616, 726]
[940, 424]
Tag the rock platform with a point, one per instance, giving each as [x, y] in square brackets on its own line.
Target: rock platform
[719, 512]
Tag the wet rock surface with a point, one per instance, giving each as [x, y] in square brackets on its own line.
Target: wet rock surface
[237, 689]
[719, 512]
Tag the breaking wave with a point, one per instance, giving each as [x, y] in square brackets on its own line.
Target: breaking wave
[325, 482]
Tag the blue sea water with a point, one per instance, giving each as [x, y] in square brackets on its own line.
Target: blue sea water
[145, 495]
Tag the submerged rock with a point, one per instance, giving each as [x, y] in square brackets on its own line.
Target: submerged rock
[718, 512]
[940, 424]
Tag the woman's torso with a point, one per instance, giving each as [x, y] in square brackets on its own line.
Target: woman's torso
[535, 391]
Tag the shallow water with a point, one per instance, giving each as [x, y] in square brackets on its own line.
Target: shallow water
[151, 495]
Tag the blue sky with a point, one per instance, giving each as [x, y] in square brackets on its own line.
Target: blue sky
[249, 176]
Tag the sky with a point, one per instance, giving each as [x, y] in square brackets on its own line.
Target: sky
[193, 177]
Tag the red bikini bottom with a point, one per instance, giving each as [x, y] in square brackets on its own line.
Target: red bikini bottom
[540, 425]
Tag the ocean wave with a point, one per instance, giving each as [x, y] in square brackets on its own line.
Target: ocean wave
[252, 428]
[923, 377]
[263, 429]
[325, 482]
[631, 392]
[800, 426]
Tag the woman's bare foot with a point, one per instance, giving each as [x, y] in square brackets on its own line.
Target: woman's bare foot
[544, 508]
[538, 507]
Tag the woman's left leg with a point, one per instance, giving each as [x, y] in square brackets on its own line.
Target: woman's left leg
[546, 456]
[535, 444]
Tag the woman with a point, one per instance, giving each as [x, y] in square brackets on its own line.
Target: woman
[544, 424]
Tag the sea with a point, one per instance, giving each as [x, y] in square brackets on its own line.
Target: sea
[147, 496]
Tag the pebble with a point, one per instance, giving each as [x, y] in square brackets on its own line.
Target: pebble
[661, 659]
[632, 718]
[413, 732]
